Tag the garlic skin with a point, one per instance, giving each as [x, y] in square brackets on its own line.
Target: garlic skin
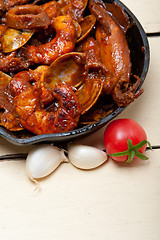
[86, 157]
[43, 160]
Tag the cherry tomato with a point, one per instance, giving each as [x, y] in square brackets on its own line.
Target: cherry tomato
[122, 134]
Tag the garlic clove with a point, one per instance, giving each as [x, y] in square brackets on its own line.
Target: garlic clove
[86, 157]
[43, 160]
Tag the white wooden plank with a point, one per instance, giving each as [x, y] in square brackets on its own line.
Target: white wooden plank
[147, 13]
[111, 202]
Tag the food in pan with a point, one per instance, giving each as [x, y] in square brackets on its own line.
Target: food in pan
[63, 64]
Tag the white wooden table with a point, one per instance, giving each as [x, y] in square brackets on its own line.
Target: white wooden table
[113, 202]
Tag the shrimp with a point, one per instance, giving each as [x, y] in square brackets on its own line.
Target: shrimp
[46, 53]
[31, 112]
[62, 43]
[29, 78]
[37, 75]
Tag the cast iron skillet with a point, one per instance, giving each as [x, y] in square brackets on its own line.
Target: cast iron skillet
[140, 63]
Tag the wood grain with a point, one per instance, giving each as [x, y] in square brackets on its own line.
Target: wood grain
[147, 13]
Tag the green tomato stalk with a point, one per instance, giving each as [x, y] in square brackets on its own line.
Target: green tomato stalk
[133, 151]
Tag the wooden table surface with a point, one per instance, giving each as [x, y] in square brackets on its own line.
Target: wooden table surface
[112, 202]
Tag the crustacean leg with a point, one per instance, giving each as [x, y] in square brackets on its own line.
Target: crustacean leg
[115, 55]
[32, 114]
[63, 42]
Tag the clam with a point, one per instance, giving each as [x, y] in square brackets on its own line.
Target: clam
[14, 39]
[4, 79]
[88, 93]
[71, 68]
[86, 25]
[78, 29]
[68, 68]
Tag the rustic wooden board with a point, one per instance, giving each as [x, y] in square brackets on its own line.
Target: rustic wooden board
[147, 13]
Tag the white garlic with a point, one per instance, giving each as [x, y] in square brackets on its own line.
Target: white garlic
[43, 160]
[86, 157]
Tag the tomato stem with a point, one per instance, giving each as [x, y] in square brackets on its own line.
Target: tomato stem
[132, 151]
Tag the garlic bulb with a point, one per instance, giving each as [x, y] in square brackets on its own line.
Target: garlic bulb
[43, 160]
[86, 157]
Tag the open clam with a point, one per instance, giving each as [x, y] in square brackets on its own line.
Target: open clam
[78, 29]
[14, 39]
[68, 68]
[71, 68]
[4, 79]
[86, 25]
[89, 93]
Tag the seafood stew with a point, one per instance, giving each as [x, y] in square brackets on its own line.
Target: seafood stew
[72, 73]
